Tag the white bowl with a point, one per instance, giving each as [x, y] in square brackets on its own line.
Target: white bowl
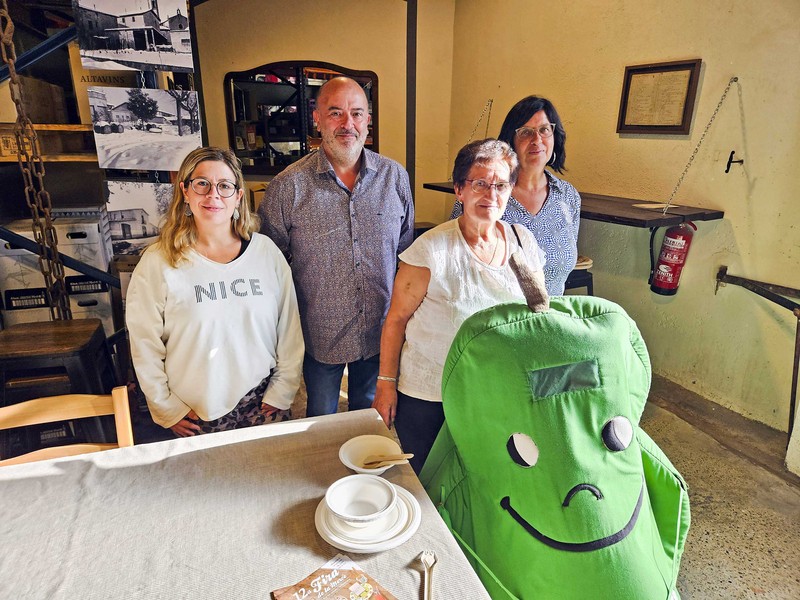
[359, 500]
[355, 450]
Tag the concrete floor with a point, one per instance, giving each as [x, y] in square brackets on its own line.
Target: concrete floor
[744, 541]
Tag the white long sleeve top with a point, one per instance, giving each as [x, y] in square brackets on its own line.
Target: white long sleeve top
[203, 333]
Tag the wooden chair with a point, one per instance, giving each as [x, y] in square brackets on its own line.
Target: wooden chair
[64, 408]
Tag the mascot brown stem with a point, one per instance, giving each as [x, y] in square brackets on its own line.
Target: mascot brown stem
[532, 287]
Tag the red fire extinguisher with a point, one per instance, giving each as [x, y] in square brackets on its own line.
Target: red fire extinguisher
[672, 258]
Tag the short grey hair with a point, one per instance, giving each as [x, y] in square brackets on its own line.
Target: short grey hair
[484, 152]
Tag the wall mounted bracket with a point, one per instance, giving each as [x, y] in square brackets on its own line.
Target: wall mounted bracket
[776, 294]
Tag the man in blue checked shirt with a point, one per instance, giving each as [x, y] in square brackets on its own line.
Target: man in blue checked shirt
[341, 215]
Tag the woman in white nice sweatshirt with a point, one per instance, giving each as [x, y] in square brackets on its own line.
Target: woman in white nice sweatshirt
[211, 309]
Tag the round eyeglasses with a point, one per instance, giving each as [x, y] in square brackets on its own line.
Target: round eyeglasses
[528, 133]
[202, 186]
[479, 186]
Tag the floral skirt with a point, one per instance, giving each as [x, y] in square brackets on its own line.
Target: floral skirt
[246, 413]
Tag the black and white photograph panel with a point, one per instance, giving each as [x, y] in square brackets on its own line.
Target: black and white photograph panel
[137, 128]
[144, 35]
[135, 210]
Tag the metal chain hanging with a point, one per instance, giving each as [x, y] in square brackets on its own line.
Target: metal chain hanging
[488, 107]
[32, 168]
[699, 143]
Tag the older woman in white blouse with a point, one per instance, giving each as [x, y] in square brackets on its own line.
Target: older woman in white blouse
[448, 274]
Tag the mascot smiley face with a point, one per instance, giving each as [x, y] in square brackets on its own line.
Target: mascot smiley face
[553, 424]
[539, 467]
[617, 435]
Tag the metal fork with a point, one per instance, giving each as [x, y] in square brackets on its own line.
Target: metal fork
[428, 559]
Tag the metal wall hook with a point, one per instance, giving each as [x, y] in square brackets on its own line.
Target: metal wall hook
[731, 161]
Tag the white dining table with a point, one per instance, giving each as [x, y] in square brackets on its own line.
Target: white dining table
[225, 515]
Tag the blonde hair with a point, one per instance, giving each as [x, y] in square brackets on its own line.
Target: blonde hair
[179, 232]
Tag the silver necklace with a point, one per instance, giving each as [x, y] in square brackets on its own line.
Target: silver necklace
[496, 246]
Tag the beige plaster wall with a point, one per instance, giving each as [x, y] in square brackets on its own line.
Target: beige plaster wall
[360, 35]
[236, 36]
[733, 347]
[434, 77]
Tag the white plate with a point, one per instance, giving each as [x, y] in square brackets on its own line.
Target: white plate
[385, 541]
[383, 529]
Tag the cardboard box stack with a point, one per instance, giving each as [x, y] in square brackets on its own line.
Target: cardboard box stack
[22, 283]
[122, 266]
[44, 102]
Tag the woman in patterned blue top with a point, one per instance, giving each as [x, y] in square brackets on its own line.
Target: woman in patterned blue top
[548, 206]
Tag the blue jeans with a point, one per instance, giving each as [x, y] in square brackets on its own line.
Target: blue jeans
[323, 382]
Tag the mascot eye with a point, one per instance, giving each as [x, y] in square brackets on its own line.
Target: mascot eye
[522, 449]
[617, 434]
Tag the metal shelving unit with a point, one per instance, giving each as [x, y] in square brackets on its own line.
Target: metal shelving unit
[269, 112]
[57, 143]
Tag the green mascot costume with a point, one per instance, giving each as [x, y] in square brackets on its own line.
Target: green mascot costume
[541, 470]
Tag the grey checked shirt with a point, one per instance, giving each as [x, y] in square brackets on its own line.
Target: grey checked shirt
[342, 247]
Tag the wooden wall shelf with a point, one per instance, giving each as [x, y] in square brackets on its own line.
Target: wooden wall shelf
[57, 158]
[624, 211]
[628, 211]
[57, 142]
[60, 127]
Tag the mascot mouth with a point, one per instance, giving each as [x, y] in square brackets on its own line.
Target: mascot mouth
[598, 544]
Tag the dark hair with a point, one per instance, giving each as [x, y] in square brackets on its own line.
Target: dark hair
[483, 152]
[521, 113]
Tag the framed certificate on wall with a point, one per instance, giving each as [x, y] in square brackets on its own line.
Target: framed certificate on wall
[659, 98]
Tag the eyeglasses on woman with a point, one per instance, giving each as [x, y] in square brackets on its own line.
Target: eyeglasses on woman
[203, 186]
[528, 133]
[480, 186]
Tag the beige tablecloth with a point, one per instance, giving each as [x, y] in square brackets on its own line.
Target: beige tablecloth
[227, 515]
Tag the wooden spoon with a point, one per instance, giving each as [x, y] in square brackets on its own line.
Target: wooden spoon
[380, 460]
